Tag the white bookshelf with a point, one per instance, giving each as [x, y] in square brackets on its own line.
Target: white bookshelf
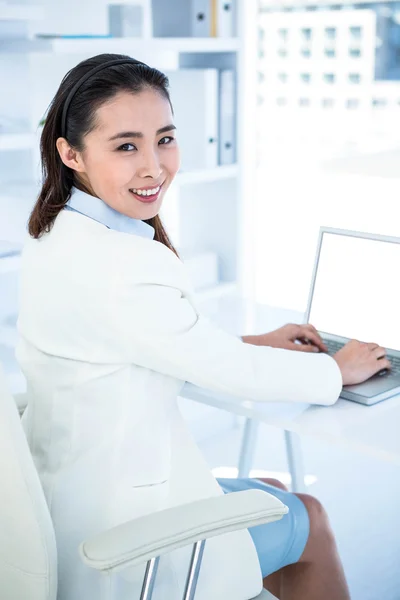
[211, 208]
[135, 46]
[207, 175]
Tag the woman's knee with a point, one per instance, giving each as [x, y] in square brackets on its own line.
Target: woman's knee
[274, 482]
[321, 534]
[316, 512]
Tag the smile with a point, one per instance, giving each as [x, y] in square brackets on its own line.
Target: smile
[149, 192]
[149, 195]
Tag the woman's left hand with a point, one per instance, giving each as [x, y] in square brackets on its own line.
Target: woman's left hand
[303, 338]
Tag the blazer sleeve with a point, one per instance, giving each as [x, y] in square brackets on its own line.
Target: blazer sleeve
[156, 325]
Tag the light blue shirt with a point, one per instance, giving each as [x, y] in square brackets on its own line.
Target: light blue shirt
[99, 211]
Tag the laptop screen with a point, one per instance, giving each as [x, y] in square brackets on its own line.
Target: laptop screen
[357, 289]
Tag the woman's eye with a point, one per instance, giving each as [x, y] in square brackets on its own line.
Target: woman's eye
[166, 140]
[127, 147]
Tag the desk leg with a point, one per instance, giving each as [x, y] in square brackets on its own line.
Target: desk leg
[247, 448]
[295, 461]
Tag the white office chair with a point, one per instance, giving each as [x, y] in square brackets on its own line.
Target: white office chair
[28, 555]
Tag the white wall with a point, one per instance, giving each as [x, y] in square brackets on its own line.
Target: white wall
[294, 202]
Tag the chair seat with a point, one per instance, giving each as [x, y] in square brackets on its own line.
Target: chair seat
[265, 596]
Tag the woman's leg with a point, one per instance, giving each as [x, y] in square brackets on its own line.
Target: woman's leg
[273, 582]
[319, 572]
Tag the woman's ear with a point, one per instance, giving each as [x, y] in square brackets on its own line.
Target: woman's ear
[70, 157]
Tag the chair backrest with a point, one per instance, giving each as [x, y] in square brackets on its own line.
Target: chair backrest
[28, 558]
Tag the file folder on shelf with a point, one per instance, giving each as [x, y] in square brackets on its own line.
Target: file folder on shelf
[203, 21]
[182, 18]
[227, 118]
[226, 18]
[125, 20]
[194, 97]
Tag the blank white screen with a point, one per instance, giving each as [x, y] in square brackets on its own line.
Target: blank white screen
[357, 290]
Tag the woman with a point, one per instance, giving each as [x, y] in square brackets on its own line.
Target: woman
[109, 330]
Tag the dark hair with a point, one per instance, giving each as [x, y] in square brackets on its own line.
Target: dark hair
[58, 179]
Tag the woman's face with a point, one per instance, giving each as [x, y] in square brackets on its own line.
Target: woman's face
[131, 156]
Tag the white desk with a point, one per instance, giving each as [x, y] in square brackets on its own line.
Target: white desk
[373, 430]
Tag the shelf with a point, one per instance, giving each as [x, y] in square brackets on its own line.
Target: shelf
[208, 175]
[218, 291]
[192, 177]
[20, 12]
[137, 47]
[17, 141]
[133, 46]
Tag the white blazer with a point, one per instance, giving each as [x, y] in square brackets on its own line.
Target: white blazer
[109, 331]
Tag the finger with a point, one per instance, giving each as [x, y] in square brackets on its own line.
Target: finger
[384, 363]
[311, 327]
[311, 331]
[314, 338]
[306, 341]
[372, 346]
[303, 347]
[294, 332]
[379, 352]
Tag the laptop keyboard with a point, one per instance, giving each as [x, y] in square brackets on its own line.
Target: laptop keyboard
[395, 360]
[334, 347]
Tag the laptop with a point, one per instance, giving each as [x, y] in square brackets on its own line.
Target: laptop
[355, 294]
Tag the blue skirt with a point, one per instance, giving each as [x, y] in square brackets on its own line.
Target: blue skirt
[280, 543]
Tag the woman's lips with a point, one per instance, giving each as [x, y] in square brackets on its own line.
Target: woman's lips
[147, 199]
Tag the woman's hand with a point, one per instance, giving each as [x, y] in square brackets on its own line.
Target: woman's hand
[303, 338]
[358, 361]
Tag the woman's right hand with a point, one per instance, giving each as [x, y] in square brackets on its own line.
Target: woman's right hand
[359, 361]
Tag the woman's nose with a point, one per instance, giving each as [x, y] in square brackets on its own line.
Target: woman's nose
[150, 165]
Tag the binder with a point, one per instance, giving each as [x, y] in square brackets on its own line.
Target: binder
[125, 20]
[227, 117]
[226, 18]
[202, 19]
[194, 97]
[182, 18]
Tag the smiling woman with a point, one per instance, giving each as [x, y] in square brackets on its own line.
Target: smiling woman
[109, 330]
[106, 134]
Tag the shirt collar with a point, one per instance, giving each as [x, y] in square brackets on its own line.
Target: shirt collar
[99, 211]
